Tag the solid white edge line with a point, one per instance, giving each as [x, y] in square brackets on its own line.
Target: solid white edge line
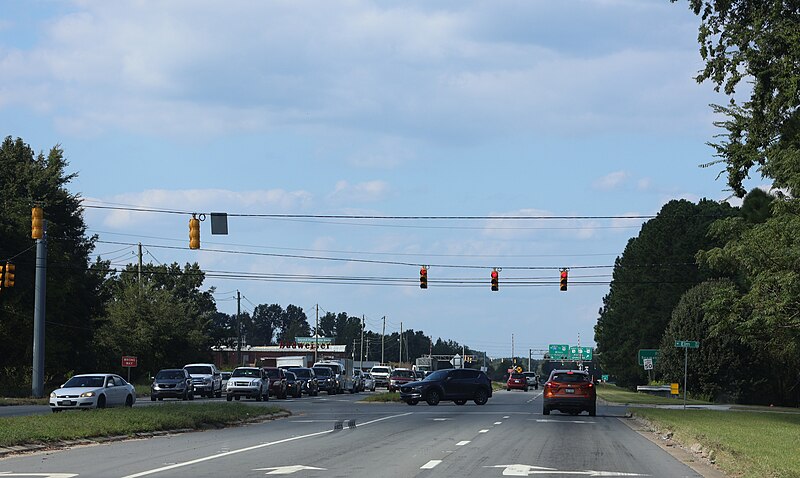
[430, 465]
[250, 448]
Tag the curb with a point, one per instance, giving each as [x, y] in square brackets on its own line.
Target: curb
[62, 444]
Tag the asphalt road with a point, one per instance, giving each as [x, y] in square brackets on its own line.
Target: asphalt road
[338, 437]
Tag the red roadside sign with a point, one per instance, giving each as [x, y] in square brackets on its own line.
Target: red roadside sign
[128, 361]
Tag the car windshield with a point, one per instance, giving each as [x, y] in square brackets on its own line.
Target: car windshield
[302, 372]
[322, 371]
[380, 370]
[199, 370]
[517, 375]
[273, 373]
[170, 375]
[88, 381]
[437, 375]
[333, 368]
[290, 376]
[569, 377]
[245, 372]
[403, 373]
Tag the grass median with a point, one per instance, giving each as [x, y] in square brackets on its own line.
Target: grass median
[74, 425]
[612, 393]
[383, 397]
[746, 444]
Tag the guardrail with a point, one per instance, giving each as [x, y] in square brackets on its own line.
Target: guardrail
[659, 390]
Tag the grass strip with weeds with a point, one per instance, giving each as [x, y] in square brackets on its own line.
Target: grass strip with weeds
[383, 397]
[746, 444]
[614, 394]
[74, 425]
[11, 401]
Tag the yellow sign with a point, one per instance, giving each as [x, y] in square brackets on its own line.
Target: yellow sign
[518, 369]
[673, 389]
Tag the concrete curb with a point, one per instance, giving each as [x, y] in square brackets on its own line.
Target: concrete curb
[59, 445]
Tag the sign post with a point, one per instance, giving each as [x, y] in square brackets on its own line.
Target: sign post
[686, 345]
[129, 361]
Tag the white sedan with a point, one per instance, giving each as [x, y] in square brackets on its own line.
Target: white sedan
[96, 390]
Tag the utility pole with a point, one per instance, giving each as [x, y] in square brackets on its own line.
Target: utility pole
[361, 355]
[367, 349]
[37, 382]
[140, 266]
[513, 357]
[238, 328]
[401, 343]
[316, 335]
[529, 359]
[463, 355]
[383, 335]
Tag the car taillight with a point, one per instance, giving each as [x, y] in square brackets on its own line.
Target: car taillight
[549, 389]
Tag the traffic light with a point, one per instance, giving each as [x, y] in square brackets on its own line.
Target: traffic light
[423, 278]
[2, 274]
[8, 275]
[37, 223]
[194, 233]
[495, 281]
[563, 282]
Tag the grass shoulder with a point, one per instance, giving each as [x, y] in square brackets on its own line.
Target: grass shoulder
[11, 401]
[747, 444]
[74, 425]
[614, 394]
[383, 397]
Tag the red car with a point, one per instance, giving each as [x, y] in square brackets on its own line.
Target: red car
[517, 381]
[401, 376]
[570, 391]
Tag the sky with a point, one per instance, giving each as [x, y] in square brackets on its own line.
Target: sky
[490, 110]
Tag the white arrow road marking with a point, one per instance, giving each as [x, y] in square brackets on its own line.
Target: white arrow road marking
[430, 465]
[527, 470]
[288, 470]
[39, 475]
[249, 448]
[544, 420]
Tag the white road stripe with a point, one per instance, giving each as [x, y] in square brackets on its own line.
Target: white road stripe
[250, 448]
[431, 464]
[506, 417]
[498, 423]
[462, 443]
[481, 431]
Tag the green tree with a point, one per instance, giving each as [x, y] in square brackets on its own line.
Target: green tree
[266, 319]
[650, 277]
[757, 41]
[292, 323]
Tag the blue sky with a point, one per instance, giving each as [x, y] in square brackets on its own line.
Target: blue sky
[454, 108]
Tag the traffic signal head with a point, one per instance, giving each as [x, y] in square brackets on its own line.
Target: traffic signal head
[495, 281]
[37, 223]
[8, 275]
[563, 282]
[423, 278]
[194, 233]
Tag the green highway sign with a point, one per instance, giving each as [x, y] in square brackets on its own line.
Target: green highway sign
[604, 377]
[580, 353]
[559, 351]
[687, 344]
[648, 353]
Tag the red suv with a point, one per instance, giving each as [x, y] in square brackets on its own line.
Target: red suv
[517, 381]
[570, 391]
[399, 377]
[277, 381]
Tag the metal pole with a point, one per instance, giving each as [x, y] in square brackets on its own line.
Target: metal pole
[685, 371]
[238, 328]
[361, 356]
[383, 334]
[316, 335]
[529, 359]
[37, 382]
[401, 343]
[140, 266]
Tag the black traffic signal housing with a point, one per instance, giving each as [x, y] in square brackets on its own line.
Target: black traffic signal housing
[2, 275]
[495, 281]
[8, 275]
[563, 281]
[423, 278]
[37, 223]
[194, 233]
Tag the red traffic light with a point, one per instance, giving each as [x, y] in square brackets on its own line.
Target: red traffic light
[495, 281]
[423, 278]
[495, 275]
[563, 281]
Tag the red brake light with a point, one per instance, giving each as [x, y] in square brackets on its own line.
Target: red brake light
[591, 385]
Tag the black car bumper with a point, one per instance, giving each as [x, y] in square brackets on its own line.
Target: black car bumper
[570, 404]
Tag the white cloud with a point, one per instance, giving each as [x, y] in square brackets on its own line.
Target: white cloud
[644, 184]
[368, 191]
[611, 181]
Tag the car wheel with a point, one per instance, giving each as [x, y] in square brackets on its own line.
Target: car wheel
[593, 411]
[508, 389]
[266, 396]
[460, 402]
[259, 396]
[331, 392]
[101, 401]
[191, 395]
[56, 410]
[373, 388]
[545, 411]
[433, 398]
[219, 393]
[229, 397]
[236, 398]
[410, 401]
[129, 401]
[152, 398]
[481, 397]
[160, 399]
[525, 389]
[185, 395]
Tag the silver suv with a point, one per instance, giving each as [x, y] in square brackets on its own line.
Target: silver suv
[249, 382]
[206, 379]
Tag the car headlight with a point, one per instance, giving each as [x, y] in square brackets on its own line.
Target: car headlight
[207, 380]
[53, 394]
[254, 382]
[87, 394]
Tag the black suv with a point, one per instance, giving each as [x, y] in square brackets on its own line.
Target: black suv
[455, 384]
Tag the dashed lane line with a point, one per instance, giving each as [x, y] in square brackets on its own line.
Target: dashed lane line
[430, 465]
[463, 442]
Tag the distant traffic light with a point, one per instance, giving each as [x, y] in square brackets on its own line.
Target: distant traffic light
[2, 275]
[194, 233]
[563, 283]
[423, 278]
[37, 223]
[495, 280]
[8, 275]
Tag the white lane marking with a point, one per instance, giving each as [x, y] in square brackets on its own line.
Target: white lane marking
[39, 475]
[526, 470]
[483, 431]
[498, 423]
[430, 465]
[463, 442]
[288, 470]
[250, 448]
[506, 417]
[441, 419]
[541, 420]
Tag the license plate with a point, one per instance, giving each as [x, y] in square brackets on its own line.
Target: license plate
[66, 403]
[569, 390]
